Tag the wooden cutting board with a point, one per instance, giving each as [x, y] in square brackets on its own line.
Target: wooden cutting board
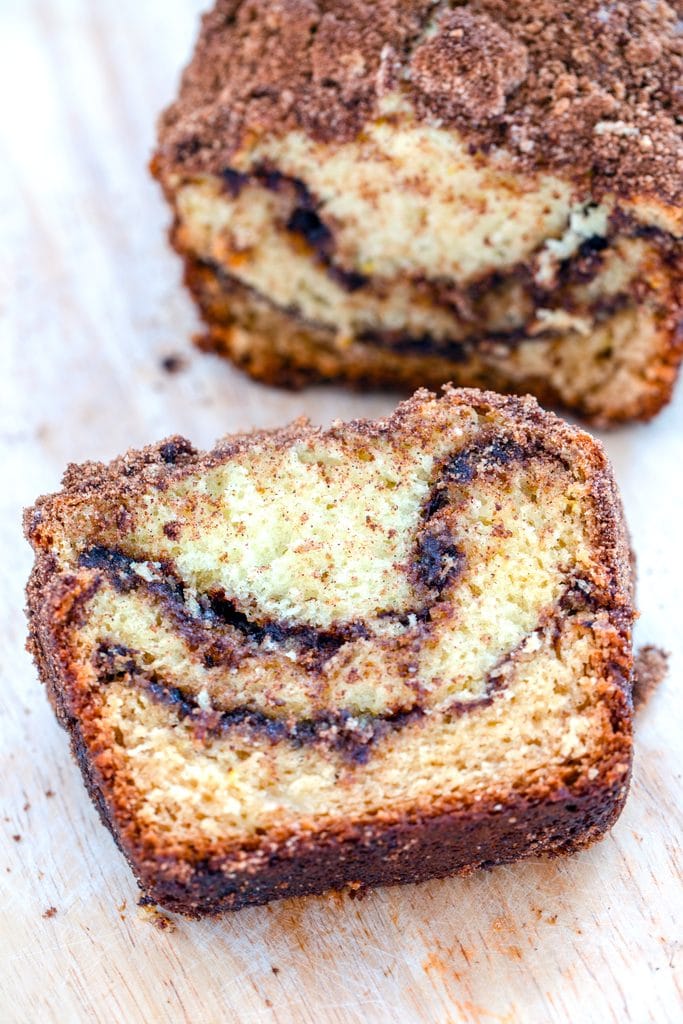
[90, 305]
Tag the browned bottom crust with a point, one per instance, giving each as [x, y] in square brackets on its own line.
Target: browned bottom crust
[367, 857]
[281, 349]
[548, 822]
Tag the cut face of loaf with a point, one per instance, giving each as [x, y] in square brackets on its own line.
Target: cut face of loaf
[372, 654]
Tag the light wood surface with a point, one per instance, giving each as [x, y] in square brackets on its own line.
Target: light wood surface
[90, 303]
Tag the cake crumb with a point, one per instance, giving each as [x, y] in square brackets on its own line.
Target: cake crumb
[357, 890]
[16, 837]
[163, 923]
[173, 363]
[150, 913]
[50, 912]
[649, 671]
[274, 969]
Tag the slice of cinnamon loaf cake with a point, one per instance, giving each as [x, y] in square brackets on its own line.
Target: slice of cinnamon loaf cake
[371, 654]
[409, 192]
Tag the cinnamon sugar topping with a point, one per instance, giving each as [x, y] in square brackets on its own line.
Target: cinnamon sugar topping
[584, 87]
[467, 68]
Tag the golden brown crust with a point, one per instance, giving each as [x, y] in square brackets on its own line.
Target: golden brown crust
[591, 90]
[278, 348]
[549, 819]
[559, 814]
[501, 829]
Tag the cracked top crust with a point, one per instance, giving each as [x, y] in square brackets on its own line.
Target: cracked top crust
[583, 87]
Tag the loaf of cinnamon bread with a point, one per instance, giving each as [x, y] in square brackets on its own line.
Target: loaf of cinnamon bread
[409, 192]
[365, 655]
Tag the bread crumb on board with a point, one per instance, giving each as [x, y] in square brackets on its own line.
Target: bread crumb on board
[650, 669]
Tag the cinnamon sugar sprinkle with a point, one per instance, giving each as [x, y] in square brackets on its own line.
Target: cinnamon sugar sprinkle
[588, 88]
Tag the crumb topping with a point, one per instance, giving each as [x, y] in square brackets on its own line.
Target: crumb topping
[468, 68]
[583, 87]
